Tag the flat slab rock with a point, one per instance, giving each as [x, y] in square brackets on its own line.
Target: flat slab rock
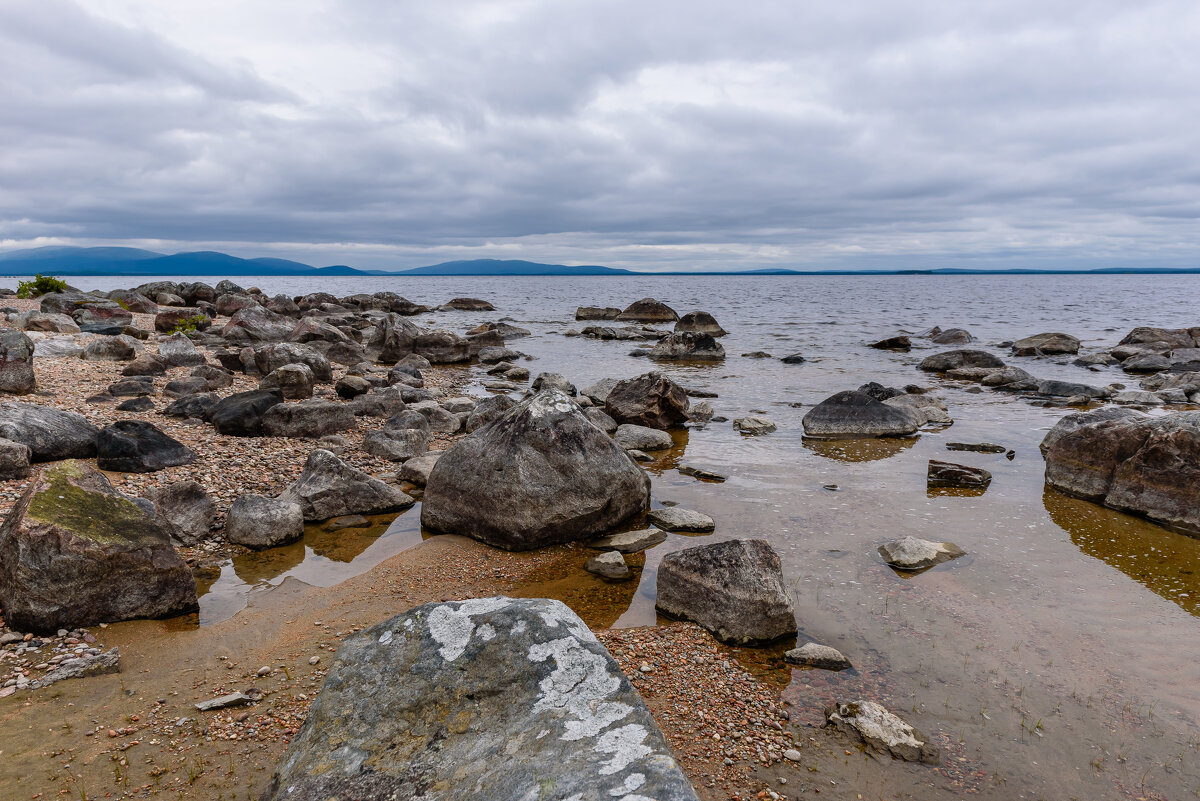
[881, 731]
[948, 474]
[674, 518]
[815, 655]
[630, 541]
[913, 553]
[495, 698]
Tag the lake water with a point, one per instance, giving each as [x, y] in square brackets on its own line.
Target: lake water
[1059, 659]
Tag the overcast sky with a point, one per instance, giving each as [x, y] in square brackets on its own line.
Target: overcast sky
[698, 133]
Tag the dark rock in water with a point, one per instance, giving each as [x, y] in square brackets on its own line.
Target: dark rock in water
[735, 589]
[308, 419]
[756, 354]
[857, 414]
[189, 509]
[1068, 389]
[542, 474]
[553, 381]
[1162, 338]
[14, 460]
[898, 342]
[199, 406]
[1050, 344]
[75, 552]
[50, 434]
[702, 473]
[911, 553]
[879, 392]
[328, 487]
[257, 522]
[442, 347]
[1144, 465]
[882, 731]
[241, 414]
[675, 518]
[139, 404]
[794, 358]
[952, 336]
[684, 347]
[699, 322]
[135, 446]
[980, 447]
[948, 474]
[469, 304]
[651, 400]
[16, 363]
[630, 541]
[596, 313]
[515, 677]
[954, 359]
[642, 438]
[648, 310]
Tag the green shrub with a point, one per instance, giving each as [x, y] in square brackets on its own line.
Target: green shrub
[189, 325]
[40, 285]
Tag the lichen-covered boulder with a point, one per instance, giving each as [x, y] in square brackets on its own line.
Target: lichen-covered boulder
[496, 698]
[75, 552]
[650, 400]
[393, 339]
[857, 414]
[328, 487]
[541, 474]
[735, 589]
[50, 434]
[881, 731]
[16, 363]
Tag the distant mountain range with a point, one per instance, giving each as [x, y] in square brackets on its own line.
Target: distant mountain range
[76, 261]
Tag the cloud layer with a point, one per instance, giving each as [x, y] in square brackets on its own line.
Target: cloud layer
[652, 135]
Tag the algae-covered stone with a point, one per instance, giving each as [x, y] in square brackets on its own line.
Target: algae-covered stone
[491, 698]
[75, 552]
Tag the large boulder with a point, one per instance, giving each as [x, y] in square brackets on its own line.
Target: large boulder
[955, 359]
[857, 414]
[396, 444]
[1071, 422]
[101, 315]
[539, 475]
[309, 419]
[168, 320]
[257, 522]
[188, 507]
[134, 301]
[497, 698]
[16, 363]
[469, 304]
[699, 322]
[256, 324]
[241, 414]
[735, 589]
[651, 400]
[1048, 344]
[135, 446]
[442, 347]
[688, 347]
[268, 358]
[177, 350]
[1144, 465]
[648, 310]
[393, 339]
[328, 487]
[14, 460]
[75, 552]
[50, 434]
[295, 381]
[120, 348]
[50, 322]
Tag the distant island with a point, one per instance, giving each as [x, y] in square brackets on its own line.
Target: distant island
[102, 261]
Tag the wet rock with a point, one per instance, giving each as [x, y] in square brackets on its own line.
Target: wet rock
[948, 474]
[898, 342]
[179, 351]
[952, 336]
[856, 414]
[819, 656]
[630, 541]
[189, 509]
[1147, 363]
[1005, 376]
[135, 446]
[596, 313]
[734, 589]
[397, 445]
[293, 381]
[631, 437]
[599, 392]
[1068, 389]
[1050, 344]
[492, 355]
[926, 408]
[518, 676]
[648, 310]
[328, 487]
[1137, 397]
[257, 522]
[241, 414]
[75, 552]
[699, 322]
[416, 470]
[16, 363]
[14, 460]
[881, 731]
[539, 475]
[976, 447]
[651, 400]
[674, 518]
[309, 419]
[688, 347]
[754, 425]
[119, 348]
[609, 565]
[469, 304]
[50, 434]
[912, 553]
[954, 359]
[702, 473]
[553, 381]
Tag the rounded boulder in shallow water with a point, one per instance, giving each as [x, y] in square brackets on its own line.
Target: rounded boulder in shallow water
[609, 565]
[642, 438]
[734, 589]
[75, 552]
[674, 518]
[699, 322]
[913, 553]
[490, 698]
[541, 474]
[257, 522]
[857, 414]
[135, 446]
[648, 310]
[955, 359]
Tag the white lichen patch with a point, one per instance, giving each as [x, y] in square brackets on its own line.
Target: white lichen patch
[386, 637]
[487, 632]
[626, 744]
[451, 627]
[579, 684]
[631, 783]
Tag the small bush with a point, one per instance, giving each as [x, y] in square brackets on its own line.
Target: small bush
[40, 285]
[189, 325]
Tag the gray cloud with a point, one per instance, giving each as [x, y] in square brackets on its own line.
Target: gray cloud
[679, 133]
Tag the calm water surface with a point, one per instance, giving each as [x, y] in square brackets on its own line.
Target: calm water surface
[1060, 659]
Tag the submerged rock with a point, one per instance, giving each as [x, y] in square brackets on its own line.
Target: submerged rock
[75, 552]
[328, 487]
[648, 310]
[257, 522]
[948, 474]
[630, 541]
[912, 553]
[688, 346]
[437, 702]
[734, 589]
[541, 474]
[675, 518]
[898, 342]
[857, 414]
[881, 731]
